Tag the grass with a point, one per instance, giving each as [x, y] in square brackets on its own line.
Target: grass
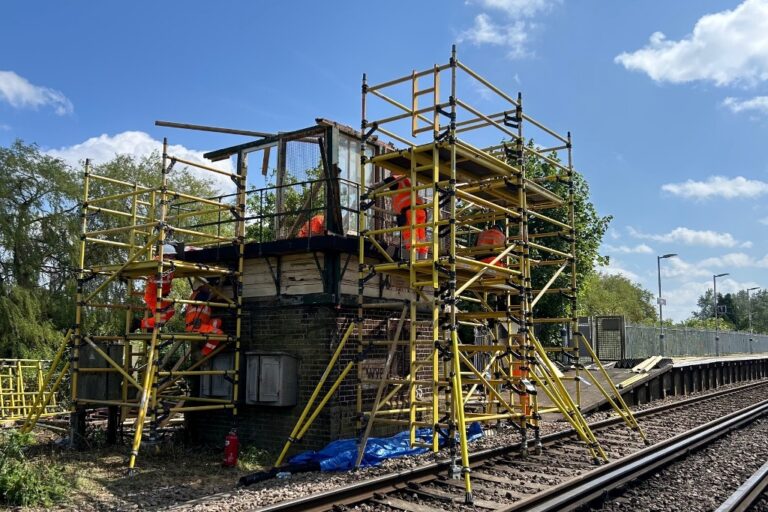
[25, 481]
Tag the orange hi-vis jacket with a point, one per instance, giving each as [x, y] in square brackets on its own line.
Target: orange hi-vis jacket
[402, 200]
[492, 237]
[150, 291]
[197, 314]
[213, 327]
[314, 226]
[150, 298]
[401, 204]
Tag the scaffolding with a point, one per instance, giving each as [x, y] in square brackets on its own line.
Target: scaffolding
[20, 383]
[492, 376]
[123, 354]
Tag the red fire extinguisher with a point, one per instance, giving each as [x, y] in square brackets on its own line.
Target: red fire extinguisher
[231, 449]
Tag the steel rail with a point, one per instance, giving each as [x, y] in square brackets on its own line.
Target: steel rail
[748, 493]
[361, 491]
[595, 485]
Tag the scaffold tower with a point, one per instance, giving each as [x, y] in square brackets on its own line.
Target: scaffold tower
[134, 238]
[481, 225]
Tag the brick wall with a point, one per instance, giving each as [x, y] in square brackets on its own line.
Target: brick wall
[310, 333]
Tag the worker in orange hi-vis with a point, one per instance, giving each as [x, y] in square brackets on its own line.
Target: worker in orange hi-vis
[150, 295]
[401, 204]
[492, 237]
[198, 318]
[198, 315]
[314, 226]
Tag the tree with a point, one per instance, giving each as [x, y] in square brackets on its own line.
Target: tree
[603, 294]
[38, 221]
[737, 309]
[37, 205]
[145, 172]
[300, 201]
[590, 229]
[708, 323]
[39, 240]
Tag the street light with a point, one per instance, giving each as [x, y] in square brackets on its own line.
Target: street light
[661, 302]
[714, 292]
[749, 310]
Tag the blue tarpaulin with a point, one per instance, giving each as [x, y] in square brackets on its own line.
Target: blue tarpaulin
[340, 455]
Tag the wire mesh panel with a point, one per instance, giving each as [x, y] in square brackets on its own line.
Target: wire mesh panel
[609, 337]
[643, 341]
[300, 197]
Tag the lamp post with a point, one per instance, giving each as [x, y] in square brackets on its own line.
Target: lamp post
[661, 302]
[714, 292]
[749, 314]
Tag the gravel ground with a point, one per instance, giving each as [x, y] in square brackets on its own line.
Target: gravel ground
[194, 480]
[300, 485]
[704, 479]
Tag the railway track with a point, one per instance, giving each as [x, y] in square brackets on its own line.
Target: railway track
[579, 493]
[502, 479]
[749, 494]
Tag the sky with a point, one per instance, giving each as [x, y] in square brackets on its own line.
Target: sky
[667, 101]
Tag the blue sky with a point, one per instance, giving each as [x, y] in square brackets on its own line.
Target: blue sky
[667, 101]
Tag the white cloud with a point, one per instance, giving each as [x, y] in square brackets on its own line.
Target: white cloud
[728, 47]
[519, 8]
[731, 260]
[18, 92]
[718, 186]
[624, 249]
[757, 104]
[764, 221]
[615, 268]
[689, 237]
[513, 36]
[105, 147]
[678, 267]
[512, 30]
[682, 298]
[5, 127]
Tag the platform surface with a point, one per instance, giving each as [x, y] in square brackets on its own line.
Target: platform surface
[696, 360]
[591, 397]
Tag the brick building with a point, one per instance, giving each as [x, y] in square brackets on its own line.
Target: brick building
[299, 293]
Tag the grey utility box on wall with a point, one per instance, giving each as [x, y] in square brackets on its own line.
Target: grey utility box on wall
[272, 379]
[217, 386]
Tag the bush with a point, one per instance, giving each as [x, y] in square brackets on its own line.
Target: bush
[252, 458]
[24, 482]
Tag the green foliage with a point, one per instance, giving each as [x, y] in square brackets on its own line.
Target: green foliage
[590, 228]
[252, 458]
[298, 201]
[707, 323]
[39, 241]
[24, 482]
[27, 331]
[144, 171]
[737, 311]
[603, 294]
[37, 201]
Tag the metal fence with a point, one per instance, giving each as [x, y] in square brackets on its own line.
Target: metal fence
[643, 341]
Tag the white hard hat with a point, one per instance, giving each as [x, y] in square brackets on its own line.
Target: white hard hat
[169, 249]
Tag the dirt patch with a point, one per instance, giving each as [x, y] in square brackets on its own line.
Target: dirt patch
[167, 476]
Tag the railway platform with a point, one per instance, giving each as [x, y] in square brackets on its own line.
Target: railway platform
[644, 380]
